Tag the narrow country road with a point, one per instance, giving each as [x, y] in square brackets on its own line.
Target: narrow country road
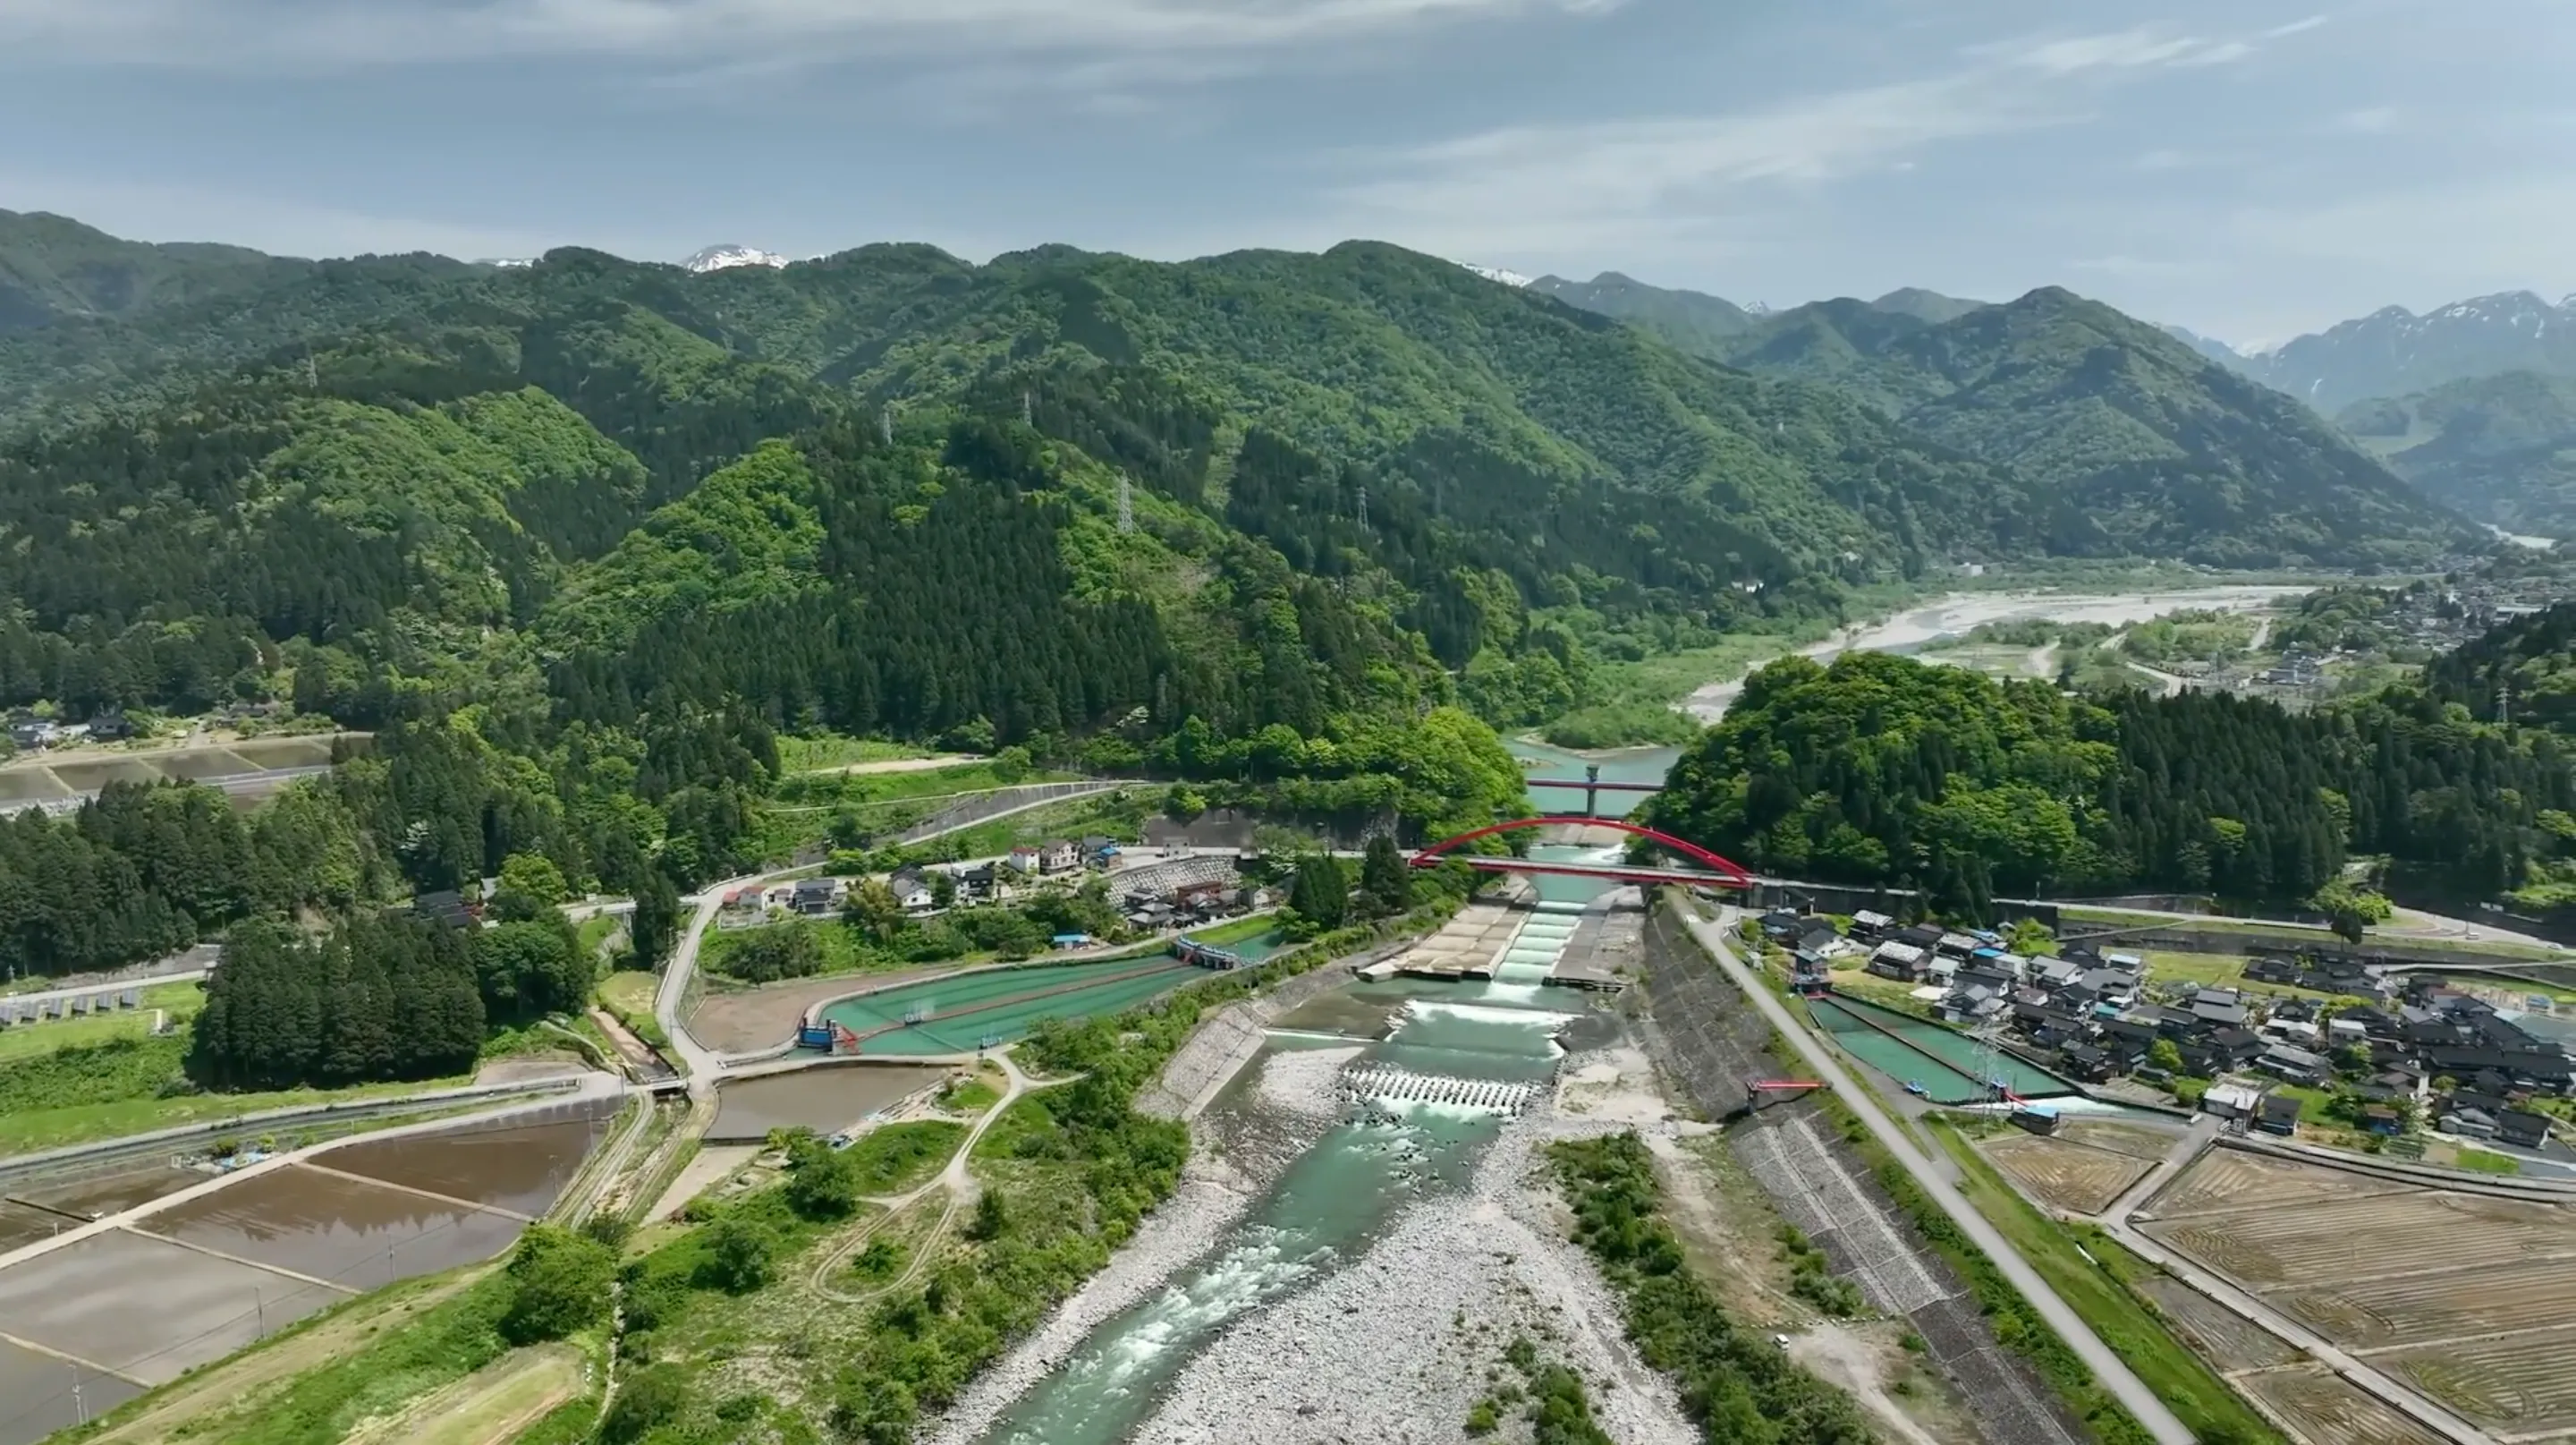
[2115, 1376]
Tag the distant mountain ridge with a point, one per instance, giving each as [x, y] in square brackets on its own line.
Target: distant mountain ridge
[2152, 436]
[2393, 352]
[1917, 431]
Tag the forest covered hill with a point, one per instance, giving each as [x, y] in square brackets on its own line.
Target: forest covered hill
[2501, 449]
[1881, 769]
[2168, 451]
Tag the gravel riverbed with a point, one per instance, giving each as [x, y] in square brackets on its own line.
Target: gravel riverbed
[1397, 1347]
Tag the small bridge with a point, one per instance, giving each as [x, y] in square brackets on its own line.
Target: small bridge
[1714, 871]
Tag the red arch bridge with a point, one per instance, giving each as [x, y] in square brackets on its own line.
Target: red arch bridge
[1714, 871]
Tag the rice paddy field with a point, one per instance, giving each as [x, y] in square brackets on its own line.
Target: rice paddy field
[2468, 1298]
[196, 1278]
[2065, 1175]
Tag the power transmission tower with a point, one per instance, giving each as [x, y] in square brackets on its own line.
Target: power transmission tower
[2504, 704]
[1126, 504]
[885, 424]
[1363, 509]
[1027, 409]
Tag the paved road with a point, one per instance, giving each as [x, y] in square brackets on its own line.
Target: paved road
[185, 975]
[2115, 1376]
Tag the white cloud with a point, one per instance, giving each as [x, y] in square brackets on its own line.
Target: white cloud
[2295, 27]
[2371, 120]
[1652, 185]
[330, 33]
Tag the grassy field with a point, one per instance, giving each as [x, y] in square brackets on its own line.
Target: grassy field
[2125, 1322]
[596, 930]
[182, 1001]
[134, 1086]
[902, 1157]
[628, 997]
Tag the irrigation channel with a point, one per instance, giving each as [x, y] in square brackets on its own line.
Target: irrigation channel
[1438, 1068]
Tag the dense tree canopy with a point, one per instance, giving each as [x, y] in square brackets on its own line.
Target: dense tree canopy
[1881, 769]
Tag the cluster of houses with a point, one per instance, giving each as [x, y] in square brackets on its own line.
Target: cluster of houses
[29, 733]
[2092, 1012]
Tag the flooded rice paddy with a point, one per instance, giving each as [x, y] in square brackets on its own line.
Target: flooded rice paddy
[825, 1100]
[37, 1394]
[21, 1225]
[519, 1167]
[147, 1308]
[178, 1287]
[111, 1191]
[337, 1228]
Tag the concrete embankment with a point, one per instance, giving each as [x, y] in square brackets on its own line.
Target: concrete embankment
[1228, 1039]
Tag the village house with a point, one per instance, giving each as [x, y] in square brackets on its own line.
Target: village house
[2277, 1114]
[1059, 856]
[911, 888]
[815, 897]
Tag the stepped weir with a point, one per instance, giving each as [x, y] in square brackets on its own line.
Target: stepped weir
[1361, 1085]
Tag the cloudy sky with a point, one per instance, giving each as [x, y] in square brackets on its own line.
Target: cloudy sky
[2248, 168]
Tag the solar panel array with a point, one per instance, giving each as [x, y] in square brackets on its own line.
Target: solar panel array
[79, 1005]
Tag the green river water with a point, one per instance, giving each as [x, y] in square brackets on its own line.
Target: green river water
[1333, 1199]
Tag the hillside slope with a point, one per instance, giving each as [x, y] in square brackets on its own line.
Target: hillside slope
[2171, 453]
[2501, 449]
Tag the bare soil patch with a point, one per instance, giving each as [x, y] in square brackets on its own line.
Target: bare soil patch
[2226, 1339]
[748, 1020]
[2234, 1179]
[2065, 1176]
[2361, 1238]
[2327, 1410]
[1909, 1401]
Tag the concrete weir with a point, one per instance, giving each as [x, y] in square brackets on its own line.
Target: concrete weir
[1364, 1084]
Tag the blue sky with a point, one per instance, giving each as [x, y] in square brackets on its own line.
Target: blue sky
[2248, 168]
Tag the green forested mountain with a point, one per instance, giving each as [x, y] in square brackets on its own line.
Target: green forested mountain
[2501, 449]
[54, 269]
[1690, 321]
[1882, 769]
[2171, 453]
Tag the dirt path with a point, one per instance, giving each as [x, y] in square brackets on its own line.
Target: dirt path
[901, 765]
[491, 1405]
[1850, 1361]
[956, 1181]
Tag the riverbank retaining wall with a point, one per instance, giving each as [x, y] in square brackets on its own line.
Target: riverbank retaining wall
[1710, 1038]
[1227, 1039]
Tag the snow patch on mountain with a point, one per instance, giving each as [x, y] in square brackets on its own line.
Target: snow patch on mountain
[731, 254]
[1496, 274]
